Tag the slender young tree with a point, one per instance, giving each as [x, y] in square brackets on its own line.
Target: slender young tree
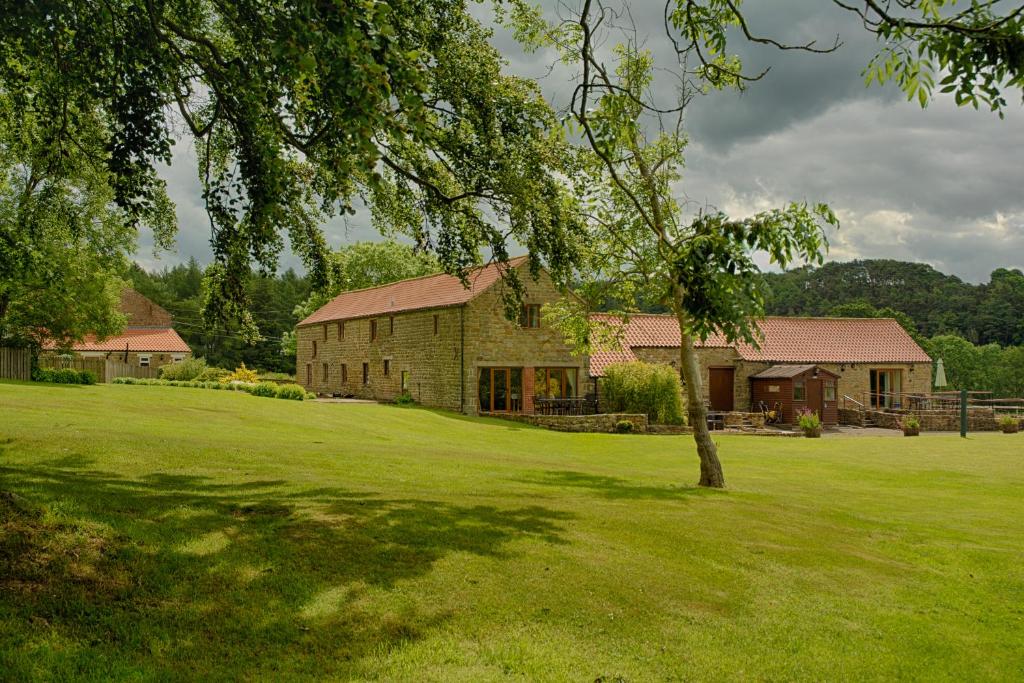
[639, 242]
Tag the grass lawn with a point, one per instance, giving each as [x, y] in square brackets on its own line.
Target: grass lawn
[166, 533]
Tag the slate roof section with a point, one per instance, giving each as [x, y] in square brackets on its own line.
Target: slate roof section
[430, 291]
[786, 340]
[138, 340]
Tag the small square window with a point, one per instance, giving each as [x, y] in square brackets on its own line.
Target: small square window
[144, 361]
[387, 368]
[177, 358]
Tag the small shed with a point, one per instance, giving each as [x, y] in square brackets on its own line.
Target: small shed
[790, 388]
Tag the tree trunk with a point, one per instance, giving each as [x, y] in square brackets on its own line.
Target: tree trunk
[710, 466]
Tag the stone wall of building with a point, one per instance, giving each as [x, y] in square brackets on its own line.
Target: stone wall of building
[494, 341]
[855, 378]
[409, 345]
[470, 337]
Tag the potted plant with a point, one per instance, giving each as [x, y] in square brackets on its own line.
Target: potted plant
[810, 423]
[910, 425]
[1009, 424]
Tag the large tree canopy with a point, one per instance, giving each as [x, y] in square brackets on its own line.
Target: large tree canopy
[298, 110]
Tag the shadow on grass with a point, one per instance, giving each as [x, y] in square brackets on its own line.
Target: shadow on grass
[616, 488]
[183, 577]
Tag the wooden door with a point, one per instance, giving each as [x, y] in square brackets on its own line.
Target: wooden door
[815, 397]
[720, 388]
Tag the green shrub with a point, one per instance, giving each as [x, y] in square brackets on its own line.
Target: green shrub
[623, 426]
[1007, 421]
[646, 388]
[404, 399]
[310, 396]
[63, 376]
[265, 389]
[291, 392]
[212, 375]
[188, 369]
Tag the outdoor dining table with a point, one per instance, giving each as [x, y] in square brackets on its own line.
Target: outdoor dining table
[560, 406]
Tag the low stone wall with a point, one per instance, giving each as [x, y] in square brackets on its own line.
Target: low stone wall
[851, 416]
[668, 429]
[602, 423]
[978, 420]
[740, 419]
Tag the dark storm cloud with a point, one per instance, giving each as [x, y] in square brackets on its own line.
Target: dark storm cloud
[941, 185]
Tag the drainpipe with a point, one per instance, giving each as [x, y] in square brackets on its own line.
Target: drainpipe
[462, 358]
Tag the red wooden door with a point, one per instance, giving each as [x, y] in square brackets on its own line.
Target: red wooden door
[815, 397]
[720, 385]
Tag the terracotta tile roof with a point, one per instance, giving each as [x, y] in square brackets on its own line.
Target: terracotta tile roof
[156, 340]
[791, 340]
[429, 291]
[599, 360]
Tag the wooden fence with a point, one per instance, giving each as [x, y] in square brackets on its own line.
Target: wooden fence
[15, 364]
[116, 368]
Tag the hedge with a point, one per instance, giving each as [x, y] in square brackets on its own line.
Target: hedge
[63, 376]
[291, 392]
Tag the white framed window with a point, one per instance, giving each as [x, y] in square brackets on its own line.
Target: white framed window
[144, 361]
[177, 357]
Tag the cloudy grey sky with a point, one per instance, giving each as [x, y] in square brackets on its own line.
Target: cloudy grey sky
[943, 185]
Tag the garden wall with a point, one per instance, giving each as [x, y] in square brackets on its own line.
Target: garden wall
[579, 423]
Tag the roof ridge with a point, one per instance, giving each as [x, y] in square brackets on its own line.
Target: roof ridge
[474, 269]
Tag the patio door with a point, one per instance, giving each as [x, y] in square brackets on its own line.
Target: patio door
[499, 390]
[886, 387]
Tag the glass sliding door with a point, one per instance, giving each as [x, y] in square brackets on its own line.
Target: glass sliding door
[500, 390]
[886, 387]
